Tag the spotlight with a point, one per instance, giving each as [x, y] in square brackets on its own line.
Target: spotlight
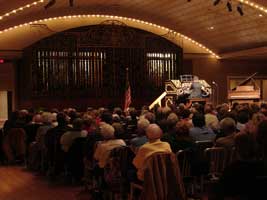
[49, 4]
[239, 9]
[229, 6]
[216, 2]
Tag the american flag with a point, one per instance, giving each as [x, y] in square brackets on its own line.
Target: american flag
[128, 97]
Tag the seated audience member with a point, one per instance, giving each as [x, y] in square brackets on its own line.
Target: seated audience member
[228, 127]
[200, 132]
[11, 122]
[184, 141]
[185, 117]
[254, 108]
[132, 117]
[263, 109]
[14, 145]
[154, 145]
[240, 178]
[242, 119]
[117, 125]
[67, 138]
[106, 117]
[42, 130]
[211, 119]
[118, 111]
[252, 125]
[52, 141]
[262, 140]
[31, 128]
[179, 138]
[88, 123]
[104, 148]
[37, 150]
[222, 110]
[150, 117]
[141, 138]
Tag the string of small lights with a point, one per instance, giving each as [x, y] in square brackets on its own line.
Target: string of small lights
[15, 11]
[215, 2]
[229, 6]
[116, 18]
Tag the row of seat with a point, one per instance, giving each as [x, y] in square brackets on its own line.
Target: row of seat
[121, 161]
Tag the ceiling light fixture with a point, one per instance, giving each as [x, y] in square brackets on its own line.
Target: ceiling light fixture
[49, 4]
[239, 9]
[216, 2]
[229, 6]
[52, 2]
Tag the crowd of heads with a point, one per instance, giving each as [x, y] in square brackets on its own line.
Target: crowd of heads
[175, 119]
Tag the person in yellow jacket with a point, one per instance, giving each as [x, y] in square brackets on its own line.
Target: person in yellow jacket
[154, 145]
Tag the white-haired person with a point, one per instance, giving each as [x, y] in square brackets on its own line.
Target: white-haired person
[228, 128]
[37, 150]
[104, 147]
[47, 119]
[154, 145]
[141, 138]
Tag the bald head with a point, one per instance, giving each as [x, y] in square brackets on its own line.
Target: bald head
[153, 132]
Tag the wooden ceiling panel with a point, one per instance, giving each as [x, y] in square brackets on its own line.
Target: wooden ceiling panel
[213, 26]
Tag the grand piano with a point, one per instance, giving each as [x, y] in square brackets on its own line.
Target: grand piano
[247, 91]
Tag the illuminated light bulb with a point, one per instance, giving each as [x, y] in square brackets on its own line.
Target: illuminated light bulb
[120, 17]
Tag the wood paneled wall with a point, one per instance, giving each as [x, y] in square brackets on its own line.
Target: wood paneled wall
[218, 70]
[8, 80]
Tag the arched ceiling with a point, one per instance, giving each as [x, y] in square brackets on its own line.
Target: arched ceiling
[225, 33]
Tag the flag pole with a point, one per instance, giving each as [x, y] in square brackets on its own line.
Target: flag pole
[128, 98]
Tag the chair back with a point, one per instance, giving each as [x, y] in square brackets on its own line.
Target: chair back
[120, 162]
[75, 157]
[184, 158]
[200, 147]
[162, 178]
[232, 155]
[217, 159]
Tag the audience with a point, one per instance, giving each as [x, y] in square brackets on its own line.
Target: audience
[48, 137]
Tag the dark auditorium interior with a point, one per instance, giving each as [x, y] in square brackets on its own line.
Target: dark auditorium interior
[133, 99]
